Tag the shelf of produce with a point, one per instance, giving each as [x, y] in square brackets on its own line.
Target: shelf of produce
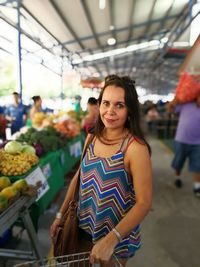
[51, 171]
[20, 209]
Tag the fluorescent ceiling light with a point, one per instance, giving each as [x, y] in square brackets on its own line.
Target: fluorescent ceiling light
[164, 40]
[181, 44]
[151, 45]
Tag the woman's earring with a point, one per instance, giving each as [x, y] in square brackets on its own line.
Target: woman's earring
[129, 118]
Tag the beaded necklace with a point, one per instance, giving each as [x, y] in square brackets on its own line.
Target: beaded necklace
[111, 142]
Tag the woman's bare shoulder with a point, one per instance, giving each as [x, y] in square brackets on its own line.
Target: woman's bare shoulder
[135, 146]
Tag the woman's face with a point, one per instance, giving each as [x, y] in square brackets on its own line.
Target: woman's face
[113, 110]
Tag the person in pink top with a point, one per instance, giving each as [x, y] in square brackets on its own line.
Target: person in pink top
[152, 116]
[89, 120]
[187, 141]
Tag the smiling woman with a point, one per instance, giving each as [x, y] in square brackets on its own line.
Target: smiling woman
[116, 178]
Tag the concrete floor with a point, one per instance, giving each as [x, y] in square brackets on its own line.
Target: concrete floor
[170, 233]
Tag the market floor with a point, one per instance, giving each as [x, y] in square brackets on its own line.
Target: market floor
[170, 233]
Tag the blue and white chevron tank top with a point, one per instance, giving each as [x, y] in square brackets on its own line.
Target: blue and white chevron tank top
[106, 195]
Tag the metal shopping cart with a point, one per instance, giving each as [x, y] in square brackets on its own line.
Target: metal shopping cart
[72, 260]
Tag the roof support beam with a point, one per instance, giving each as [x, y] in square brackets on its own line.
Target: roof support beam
[133, 40]
[163, 22]
[175, 33]
[150, 18]
[19, 58]
[131, 29]
[95, 36]
[25, 33]
[112, 23]
[3, 49]
[59, 43]
[133, 26]
[112, 19]
[66, 23]
[88, 16]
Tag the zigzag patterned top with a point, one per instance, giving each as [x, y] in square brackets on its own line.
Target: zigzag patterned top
[106, 195]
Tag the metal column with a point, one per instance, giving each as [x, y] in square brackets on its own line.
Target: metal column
[19, 80]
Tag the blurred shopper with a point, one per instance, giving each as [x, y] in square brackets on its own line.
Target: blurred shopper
[2, 110]
[187, 141]
[77, 104]
[151, 117]
[89, 120]
[16, 114]
[115, 178]
[3, 124]
[37, 106]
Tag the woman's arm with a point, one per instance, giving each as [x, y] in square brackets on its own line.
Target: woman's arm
[172, 104]
[138, 159]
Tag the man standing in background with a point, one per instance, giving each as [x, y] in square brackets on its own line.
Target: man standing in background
[16, 114]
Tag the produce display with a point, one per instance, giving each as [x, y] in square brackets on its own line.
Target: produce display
[10, 192]
[49, 133]
[69, 128]
[67, 123]
[38, 119]
[78, 116]
[17, 159]
[43, 141]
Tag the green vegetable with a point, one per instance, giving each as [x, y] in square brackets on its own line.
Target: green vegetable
[13, 147]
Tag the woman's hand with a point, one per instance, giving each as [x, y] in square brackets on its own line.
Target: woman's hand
[103, 250]
[54, 227]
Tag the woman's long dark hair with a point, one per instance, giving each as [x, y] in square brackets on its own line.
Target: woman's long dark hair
[132, 103]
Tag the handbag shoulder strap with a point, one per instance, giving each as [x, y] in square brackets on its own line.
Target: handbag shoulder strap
[72, 193]
[88, 141]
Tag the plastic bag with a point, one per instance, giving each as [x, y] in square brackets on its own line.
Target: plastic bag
[187, 89]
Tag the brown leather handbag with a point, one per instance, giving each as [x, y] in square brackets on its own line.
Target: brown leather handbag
[66, 239]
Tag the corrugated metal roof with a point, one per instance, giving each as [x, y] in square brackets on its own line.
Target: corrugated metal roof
[77, 29]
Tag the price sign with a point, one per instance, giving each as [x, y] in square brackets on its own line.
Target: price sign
[36, 177]
[46, 169]
[76, 149]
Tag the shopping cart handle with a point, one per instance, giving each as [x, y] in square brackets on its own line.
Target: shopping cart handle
[96, 265]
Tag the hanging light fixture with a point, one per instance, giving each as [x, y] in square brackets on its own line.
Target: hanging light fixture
[102, 4]
[111, 41]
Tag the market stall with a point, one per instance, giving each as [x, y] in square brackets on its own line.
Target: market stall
[49, 174]
[55, 165]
